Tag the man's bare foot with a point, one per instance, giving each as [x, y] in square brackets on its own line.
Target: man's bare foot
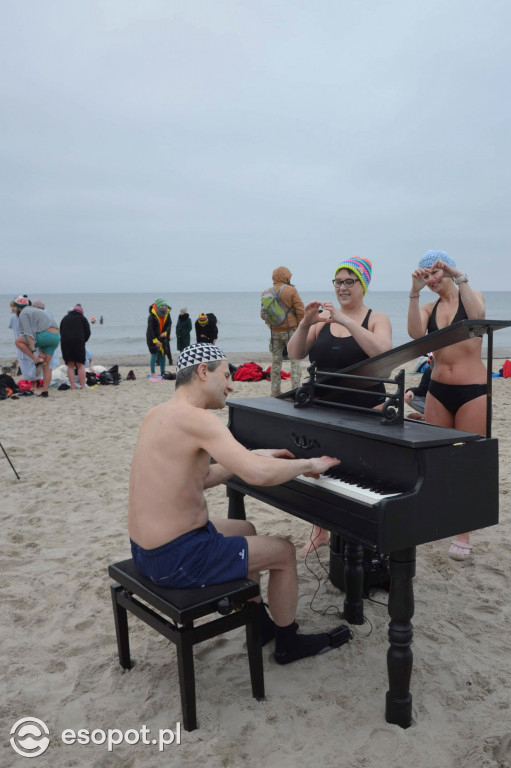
[319, 539]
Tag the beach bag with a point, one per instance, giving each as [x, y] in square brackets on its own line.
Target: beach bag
[421, 363]
[115, 375]
[8, 382]
[91, 379]
[272, 311]
[506, 370]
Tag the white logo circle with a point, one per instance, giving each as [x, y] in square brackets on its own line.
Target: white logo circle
[27, 737]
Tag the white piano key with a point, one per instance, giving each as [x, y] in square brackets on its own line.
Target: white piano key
[348, 490]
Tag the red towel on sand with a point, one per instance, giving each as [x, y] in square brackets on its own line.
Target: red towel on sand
[248, 372]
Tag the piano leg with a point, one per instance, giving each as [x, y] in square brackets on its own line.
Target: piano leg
[354, 583]
[398, 709]
[236, 508]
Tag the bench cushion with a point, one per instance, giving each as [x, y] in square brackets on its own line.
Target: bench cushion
[181, 605]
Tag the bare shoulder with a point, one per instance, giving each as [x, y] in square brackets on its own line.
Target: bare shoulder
[196, 421]
[187, 423]
[378, 320]
[378, 317]
[428, 308]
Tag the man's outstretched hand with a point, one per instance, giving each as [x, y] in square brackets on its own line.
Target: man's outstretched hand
[320, 465]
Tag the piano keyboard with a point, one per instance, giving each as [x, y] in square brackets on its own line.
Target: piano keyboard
[350, 490]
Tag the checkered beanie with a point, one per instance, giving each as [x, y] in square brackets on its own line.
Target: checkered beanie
[361, 267]
[430, 257]
[198, 353]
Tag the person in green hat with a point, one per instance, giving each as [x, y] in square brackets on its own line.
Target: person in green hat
[158, 334]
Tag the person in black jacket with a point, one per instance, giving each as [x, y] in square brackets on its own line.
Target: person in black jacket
[183, 329]
[206, 329]
[158, 334]
[74, 333]
[415, 397]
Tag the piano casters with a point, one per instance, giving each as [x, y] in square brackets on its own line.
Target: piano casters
[398, 704]
[236, 506]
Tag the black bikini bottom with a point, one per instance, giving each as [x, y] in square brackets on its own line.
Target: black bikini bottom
[453, 396]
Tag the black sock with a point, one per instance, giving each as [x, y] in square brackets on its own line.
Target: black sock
[289, 646]
[267, 625]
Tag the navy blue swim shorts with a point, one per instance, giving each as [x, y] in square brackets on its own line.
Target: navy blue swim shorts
[196, 559]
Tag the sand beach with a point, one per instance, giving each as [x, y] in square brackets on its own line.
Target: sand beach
[64, 522]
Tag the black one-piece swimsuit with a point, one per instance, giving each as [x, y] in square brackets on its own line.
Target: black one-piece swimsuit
[331, 353]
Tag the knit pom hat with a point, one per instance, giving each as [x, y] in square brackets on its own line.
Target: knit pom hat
[160, 303]
[198, 353]
[431, 257]
[203, 318]
[22, 301]
[361, 267]
[78, 308]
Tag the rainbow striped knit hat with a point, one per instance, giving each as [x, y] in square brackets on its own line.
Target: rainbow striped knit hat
[361, 267]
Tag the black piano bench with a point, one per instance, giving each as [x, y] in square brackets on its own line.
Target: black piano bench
[182, 607]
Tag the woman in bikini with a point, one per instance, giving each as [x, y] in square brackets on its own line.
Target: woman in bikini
[457, 392]
[338, 337]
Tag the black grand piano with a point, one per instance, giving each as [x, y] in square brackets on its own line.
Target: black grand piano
[400, 482]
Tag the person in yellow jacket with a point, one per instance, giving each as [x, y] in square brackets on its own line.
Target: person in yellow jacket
[280, 334]
[158, 334]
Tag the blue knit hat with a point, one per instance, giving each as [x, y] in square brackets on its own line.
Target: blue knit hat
[431, 257]
[361, 267]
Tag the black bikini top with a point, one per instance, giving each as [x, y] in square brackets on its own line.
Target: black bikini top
[460, 315]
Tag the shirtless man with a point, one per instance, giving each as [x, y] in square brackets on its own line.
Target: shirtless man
[173, 542]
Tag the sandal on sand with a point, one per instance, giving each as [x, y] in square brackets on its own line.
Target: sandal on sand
[459, 550]
[42, 394]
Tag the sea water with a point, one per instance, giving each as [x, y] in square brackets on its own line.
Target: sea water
[240, 328]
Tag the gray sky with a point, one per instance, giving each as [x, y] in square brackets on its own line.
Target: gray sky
[198, 144]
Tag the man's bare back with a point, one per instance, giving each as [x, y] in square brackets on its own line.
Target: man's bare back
[168, 474]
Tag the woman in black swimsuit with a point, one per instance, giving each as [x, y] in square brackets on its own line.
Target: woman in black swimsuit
[336, 338]
[457, 393]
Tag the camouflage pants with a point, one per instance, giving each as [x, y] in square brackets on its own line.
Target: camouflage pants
[277, 342]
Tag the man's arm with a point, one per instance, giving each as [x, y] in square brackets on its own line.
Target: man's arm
[255, 468]
[217, 474]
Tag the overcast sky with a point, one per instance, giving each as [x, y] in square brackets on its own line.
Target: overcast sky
[199, 144]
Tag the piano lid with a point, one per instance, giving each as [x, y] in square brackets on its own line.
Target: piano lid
[411, 433]
[382, 365]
